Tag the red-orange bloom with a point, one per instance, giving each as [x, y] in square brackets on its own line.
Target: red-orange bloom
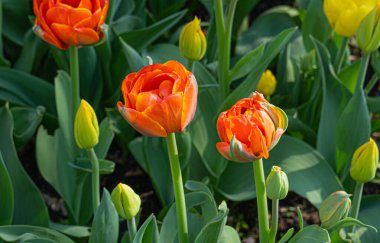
[159, 99]
[250, 128]
[70, 22]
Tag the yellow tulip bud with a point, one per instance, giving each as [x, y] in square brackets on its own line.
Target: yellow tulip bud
[277, 184]
[334, 208]
[267, 84]
[126, 201]
[364, 162]
[368, 33]
[345, 15]
[86, 128]
[192, 41]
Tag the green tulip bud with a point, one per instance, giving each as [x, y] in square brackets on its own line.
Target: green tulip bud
[192, 41]
[126, 201]
[277, 184]
[368, 33]
[364, 162]
[86, 128]
[334, 208]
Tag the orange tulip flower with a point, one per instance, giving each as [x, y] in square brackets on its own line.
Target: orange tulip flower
[250, 129]
[65, 23]
[159, 99]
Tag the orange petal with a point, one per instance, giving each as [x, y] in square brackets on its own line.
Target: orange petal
[76, 37]
[146, 99]
[167, 113]
[189, 102]
[165, 88]
[90, 22]
[258, 143]
[85, 4]
[224, 149]
[142, 123]
[221, 127]
[67, 16]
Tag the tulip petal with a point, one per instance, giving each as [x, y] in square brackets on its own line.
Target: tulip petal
[224, 149]
[146, 99]
[167, 113]
[189, 102]
[67, 16]
[258, 143]
[75, 36]
[142, 123]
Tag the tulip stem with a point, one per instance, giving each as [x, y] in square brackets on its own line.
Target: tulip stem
[224, 31]
[357, 199]
[95, 178]
[179, 193]
[74, 70]
[131, 228]
[190, 65]
[340, 55]
[371, 84]
[274, 225]
[261, 197]
[362, 71]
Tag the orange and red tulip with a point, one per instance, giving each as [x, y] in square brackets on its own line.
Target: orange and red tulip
[65, 23]
[159, 99]
[250, 129]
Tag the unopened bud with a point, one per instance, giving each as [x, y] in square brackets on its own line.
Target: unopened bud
[192, 41]
[277, 184]
[334, 208]
[364, 162]
[86, 128]
[126, 201]
[368, 33]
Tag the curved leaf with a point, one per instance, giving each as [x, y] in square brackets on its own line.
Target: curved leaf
[6, 196]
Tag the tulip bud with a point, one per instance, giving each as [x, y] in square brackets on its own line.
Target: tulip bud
[368, 33]
[277, 184]
[126, 201]
[364, 162]
[267, 83]
[334, 208]
[86, 128]
[192, 41]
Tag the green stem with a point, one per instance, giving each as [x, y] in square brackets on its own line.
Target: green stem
[274, 225]
[340, 55]
[357, 199]
[190, 65]
[220, 30]
[95, 178]
[131, 228]
[178, 188]
[74, 70]
[362, 71]
[371, 84]
[261, 195]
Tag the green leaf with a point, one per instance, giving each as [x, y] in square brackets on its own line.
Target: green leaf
[25, 233]
[247, 63]
[214, 228]
[106, 167]
[315, 24]
[304, 166]
[349, 222]
[161, 53]
[126, 23]
[139, 39]
[148, 232]
[311, 234]
[335, 98]
[349, 76]
[105, 227]
[26, 121]
[286, 236]
[7, 195]
[123, 130]
[229, 235]
[15, 87]
[368, 215]
[355, 117]
[71, 230]
[134, 60]
[23, 186]
[374, 104]
[106, 136]
[250, 82]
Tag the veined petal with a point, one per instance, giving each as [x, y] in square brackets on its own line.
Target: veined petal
[142, 123]
[189, 102]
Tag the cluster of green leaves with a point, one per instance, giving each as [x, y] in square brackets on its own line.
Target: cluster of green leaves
[321, 102]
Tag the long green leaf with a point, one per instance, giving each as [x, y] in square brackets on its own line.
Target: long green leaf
[311, 234]
[6, 196]
[368, 215]
[105, 227]
[23, 186]
[24, 89]
[148, 232]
